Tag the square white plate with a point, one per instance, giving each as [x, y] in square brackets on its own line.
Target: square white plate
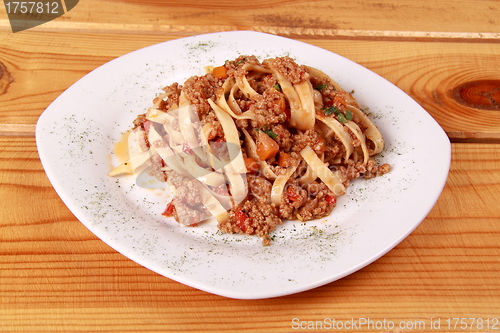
[76, 136]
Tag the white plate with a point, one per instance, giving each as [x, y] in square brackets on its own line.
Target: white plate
[76, 135]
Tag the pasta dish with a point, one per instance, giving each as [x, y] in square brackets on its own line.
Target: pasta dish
[252, 143]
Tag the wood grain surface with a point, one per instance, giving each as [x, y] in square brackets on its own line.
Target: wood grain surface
[430, 72]
[56, 276]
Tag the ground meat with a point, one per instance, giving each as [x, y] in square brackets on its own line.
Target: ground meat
[242, 123]
[253, 217]
[187, 215]
[188, 193]
[291, 70]
[174, 88]
[339, 99]
[269, 108]
[309, 138]
[293, 197]
[139, 121]
[333, 151]
[314, 209]
[267, 82]
[307, 203]
[259, 187]
[173, 92]
[235, 67]
[175, 179]
[283, 137]
[188, 203]
[199, 89]
[374, 170]
[142, 139]
[370, 170]
[321, 205]
[217, 132]
[220, 149]
[321, 84]
[156, 168]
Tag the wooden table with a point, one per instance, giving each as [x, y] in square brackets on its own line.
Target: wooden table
[56, 276]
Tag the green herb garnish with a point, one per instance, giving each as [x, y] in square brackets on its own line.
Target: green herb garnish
[271, 134]
[320, 87]
[331, 110]
[348, 115]
[277, 87]
[341, 118]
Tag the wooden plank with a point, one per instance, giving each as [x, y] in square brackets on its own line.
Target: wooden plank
[57, 276]
[16, 130]
[435, 74]
[383, 15]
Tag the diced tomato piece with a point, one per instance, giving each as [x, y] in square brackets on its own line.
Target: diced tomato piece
[241, 218]
[288, 113]
[331, 199]
[292, 194]
[169, 210]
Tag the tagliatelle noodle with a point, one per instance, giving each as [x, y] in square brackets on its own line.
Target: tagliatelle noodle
[188, 167]
[173, 160]
[203, 175]
[223, 103]
[308, 177]
[159, 116]
[333, 180]
[236, 166]
[137, 155]
[301, 115]
[316, 72]
[351, 125]
[213, 205]
[291, 95]
[245, 87]
[231, 100]
[340, 132]
[279, 185]
[372, 132]
[305, 119]
[232, 136]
